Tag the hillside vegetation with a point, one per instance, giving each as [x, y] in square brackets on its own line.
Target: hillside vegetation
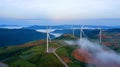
[9, 37]
[31, 54]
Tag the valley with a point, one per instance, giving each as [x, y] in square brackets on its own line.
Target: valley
[61, 54]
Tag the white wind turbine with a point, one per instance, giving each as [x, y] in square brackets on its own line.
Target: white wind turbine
[73, 31]
[48, 38]
[100, 35]
[81, 31]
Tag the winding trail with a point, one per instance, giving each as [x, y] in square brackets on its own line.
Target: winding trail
[53, 50]
[59, 57]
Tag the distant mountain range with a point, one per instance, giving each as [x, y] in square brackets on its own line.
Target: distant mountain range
[71, 26]
[31, 33]
[3, 25]
[12, 26]
[57, 26]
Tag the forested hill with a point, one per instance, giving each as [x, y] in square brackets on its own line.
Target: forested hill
[19, 36]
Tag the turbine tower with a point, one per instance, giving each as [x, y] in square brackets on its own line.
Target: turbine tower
[100, 35]
[73, 31]
[48, 38]
[81, 31]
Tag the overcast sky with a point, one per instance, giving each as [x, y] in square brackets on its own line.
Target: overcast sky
[28, 12]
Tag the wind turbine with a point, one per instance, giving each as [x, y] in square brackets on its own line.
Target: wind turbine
[100, 35]
[48, 37]
[81, 31]
[73, 31]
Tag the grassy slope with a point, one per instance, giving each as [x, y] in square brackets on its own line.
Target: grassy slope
[46, 60]
[31, 56]
[34, 54]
